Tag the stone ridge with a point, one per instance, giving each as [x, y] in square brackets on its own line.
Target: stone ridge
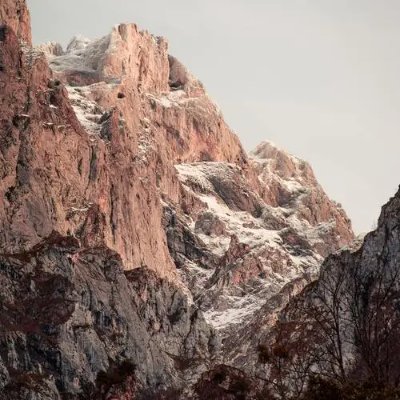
[132, 60]
[236, 250]
[289, 182]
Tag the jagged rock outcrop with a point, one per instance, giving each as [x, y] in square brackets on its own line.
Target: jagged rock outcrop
[119, 145]
[289, 183]
[259, 244]
[15, 14]
[178, 111]
[57, 177]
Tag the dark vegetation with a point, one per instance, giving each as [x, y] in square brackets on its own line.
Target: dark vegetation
[338, 340]
[341, 338]
[119, 377]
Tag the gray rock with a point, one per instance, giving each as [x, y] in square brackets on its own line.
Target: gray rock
[70, 315]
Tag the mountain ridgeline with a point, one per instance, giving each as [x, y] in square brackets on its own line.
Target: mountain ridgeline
[145, 255]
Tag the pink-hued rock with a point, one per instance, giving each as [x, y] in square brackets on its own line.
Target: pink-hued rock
[15, 14]
[97, 161]
[62, 174]
[135, 56]
[286, 181]
[134, 118]
[266, 241]
[54, 176]
[118, 149]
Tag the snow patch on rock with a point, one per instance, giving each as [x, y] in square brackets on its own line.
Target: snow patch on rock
[242, 285]
[88, 112]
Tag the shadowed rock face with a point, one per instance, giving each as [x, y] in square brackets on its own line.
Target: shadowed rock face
[160, 217]
[71, 317]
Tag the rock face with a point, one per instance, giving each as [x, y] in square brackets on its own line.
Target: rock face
[15, 14]
[72, 318]
[344, 326]
[135, 232]
[256, 234]
[51, 49]
[289, 183]
[57, 176]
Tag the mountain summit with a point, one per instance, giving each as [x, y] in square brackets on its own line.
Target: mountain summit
[143, 253]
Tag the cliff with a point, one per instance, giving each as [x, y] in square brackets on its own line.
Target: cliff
[135, 232]
[15, 14]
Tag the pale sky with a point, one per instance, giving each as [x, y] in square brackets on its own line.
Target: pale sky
[319, 78]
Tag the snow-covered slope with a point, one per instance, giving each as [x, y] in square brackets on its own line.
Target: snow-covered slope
[259, 242]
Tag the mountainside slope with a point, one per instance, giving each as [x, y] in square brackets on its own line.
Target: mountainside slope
[71, 318]
[252, 243]
[180, 124]
[341, 333]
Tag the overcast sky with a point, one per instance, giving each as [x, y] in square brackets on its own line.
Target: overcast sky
[320, 78]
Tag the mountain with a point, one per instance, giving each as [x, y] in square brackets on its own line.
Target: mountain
[339, 337]
[143, 252]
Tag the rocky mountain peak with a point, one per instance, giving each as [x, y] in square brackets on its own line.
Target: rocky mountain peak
[289, 183]
[125, 55]
[78, 42]
[140, 233]
[266, 149]
[282, 163]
